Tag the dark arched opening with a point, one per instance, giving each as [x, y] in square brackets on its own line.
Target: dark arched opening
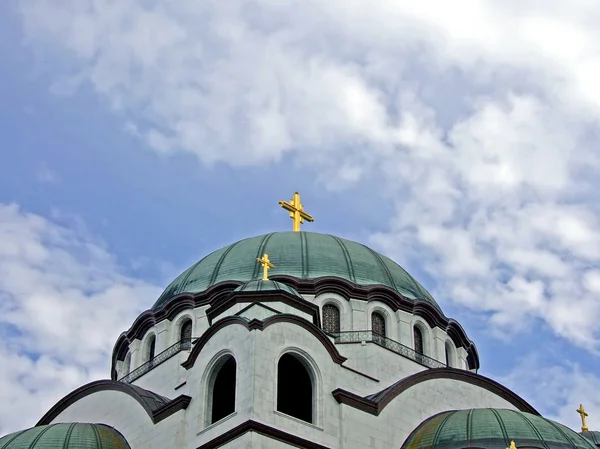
[449, 354]
[185, 334]
[151, 350]
[223, 390]
[331, 319]
[378, 328]
[418, 337]
[294, 388]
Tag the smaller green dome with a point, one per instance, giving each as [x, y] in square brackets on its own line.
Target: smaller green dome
[66, 436]
[492, 429]
[592, 435]
[267, 286]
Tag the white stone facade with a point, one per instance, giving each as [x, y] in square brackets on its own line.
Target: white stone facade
[368, 369]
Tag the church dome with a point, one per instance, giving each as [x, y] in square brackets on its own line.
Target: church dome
[304, 255]
[592, 435]
[66, 436]
[492, 429]
[262, 285]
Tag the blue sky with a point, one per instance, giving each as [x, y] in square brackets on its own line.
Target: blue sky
[465, 152]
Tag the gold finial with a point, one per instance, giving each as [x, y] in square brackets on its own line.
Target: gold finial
[512, 445]
[581, 411]
[266, 264]
[296, 210]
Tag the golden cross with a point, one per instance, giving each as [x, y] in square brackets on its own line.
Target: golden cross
[266, 264]
[583, 414]
[296, 210]
[512, 445]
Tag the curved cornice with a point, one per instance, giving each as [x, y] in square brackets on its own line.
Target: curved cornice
[375, 403]
[261, 325]
[156, 410]
[328, 284]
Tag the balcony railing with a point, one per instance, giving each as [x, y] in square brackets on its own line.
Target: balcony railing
[388, 343]
[181, 345]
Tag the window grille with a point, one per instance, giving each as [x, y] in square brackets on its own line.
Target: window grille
[378, 324]
[331, 318]
[186, 335]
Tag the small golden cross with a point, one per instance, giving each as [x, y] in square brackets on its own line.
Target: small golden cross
[512, 445]
[583, 414]
[266, 264]
[296, 210]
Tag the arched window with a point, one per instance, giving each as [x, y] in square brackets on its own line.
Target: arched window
[449, 354]
[222, 389]
[126, 365]
[418, 337]
[331, 318]
[378, 324]
[294, 388]
[151, 350]
[185, 334]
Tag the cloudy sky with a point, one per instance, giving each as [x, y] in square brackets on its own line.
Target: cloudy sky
[460, 139]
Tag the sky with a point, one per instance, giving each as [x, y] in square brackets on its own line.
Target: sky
[137, 136]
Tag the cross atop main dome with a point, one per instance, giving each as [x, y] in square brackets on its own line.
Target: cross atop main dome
[296, 209]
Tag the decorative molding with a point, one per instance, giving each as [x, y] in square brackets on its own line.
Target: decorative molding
[180, 385]
[262, 429]
[259, 304]
[218, 293]
[265, 296]
[181, 402]
[261, 325]
[358, 372]
[156, 411]
[355, 401]
[375, 403]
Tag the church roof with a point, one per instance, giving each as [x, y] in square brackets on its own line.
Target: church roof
[66, 436]
[592, 435]
[492, 429]
[262, 285]
[304, 255]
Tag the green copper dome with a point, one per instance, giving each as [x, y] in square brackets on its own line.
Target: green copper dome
[592, 435]
[267, 286]
[66, 436]
[305, 255]
[492, 429]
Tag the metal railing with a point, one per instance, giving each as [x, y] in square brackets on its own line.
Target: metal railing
[181, 345]
[388, 343]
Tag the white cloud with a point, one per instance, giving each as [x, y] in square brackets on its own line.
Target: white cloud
[477, 115]
[63, 303]
[556, 390]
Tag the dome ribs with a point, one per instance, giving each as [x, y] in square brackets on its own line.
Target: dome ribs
[502, 427]
[261, 250]
[384, 267]
[438, 431]
[562, 432]
[535, 430]
[69, 433]
[347, 258]
[304, 254]
[220, 262]
[97, 435]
